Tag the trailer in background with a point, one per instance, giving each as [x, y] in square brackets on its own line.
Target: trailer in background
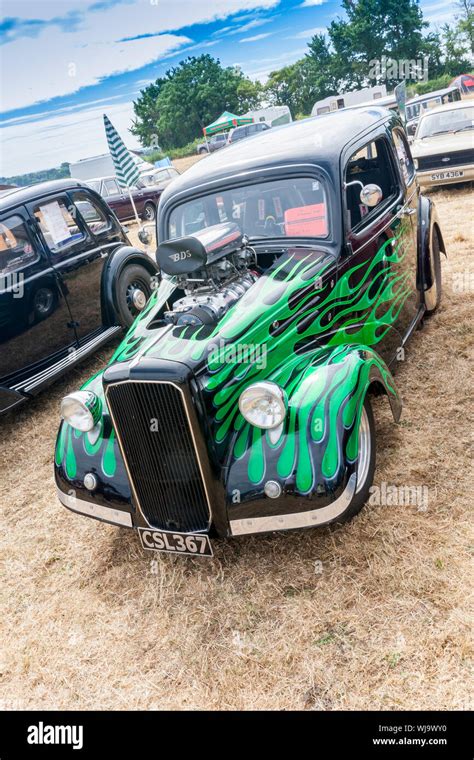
[348, 99]
[273, 115]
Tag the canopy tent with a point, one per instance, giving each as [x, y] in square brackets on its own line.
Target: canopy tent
[465, 82]
[225, 121]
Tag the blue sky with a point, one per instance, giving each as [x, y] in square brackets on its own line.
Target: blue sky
[65, 62]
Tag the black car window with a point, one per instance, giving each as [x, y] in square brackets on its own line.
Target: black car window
[16, 249]
[93, 216]
[404, 156]
[59, 225]
[369, 164]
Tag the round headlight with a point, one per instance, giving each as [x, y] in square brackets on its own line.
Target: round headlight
[263, 405]
[81, 410]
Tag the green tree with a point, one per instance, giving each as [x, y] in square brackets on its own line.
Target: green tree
[175, 109]
[455, 52]
[373, 32]
[465, 21]
[292, 86]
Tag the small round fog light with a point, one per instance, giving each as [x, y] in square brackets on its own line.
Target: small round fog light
[272, 489]
[90, 481]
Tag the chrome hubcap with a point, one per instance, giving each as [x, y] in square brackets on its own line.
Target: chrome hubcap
[364, 450]
[138, 298]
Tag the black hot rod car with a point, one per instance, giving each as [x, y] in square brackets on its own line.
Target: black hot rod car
[293, 269]
[69, 281]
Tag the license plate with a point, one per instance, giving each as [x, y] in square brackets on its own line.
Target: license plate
[195, 544]
[447, 175]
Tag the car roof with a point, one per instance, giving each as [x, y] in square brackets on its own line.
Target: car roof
[306, 141]
[20, 195]
[430, 95]
[449, 107]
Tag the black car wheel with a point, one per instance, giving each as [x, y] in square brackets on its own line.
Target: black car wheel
[43, 303]
[433, 295]
[365, 463]
[202, 151]
[133, 291]
[149, 212]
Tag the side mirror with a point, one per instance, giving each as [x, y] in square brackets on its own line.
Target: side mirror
[370, 195]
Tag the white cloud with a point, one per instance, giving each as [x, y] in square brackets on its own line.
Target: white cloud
[93, 47]
[307, 33]
[256, 37]
[62, 137]
[311, 3]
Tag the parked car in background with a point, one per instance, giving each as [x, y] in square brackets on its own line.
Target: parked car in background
[146, 194]
[240, 133]
[293, 270]
[415, 107]
[214, 143]
[443, 147]
[69, 281]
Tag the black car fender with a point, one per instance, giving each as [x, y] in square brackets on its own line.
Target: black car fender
[117, 261]
[427, 222]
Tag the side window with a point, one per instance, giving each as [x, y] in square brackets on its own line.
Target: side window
[404, 157]
[16, 250]
[111, 186]
[58, 223]
[370, 164]
[93, 216]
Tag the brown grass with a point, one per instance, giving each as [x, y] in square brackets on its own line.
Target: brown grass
[87, 623]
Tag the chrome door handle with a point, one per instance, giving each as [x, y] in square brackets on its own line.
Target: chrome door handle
[407, 211]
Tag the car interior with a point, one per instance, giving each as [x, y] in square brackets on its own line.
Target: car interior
[369, 165]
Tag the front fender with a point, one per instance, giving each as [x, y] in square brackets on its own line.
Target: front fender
[117, 260]
[427, 221]
[314, 453]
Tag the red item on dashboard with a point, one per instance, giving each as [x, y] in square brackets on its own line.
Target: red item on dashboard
[306, 221]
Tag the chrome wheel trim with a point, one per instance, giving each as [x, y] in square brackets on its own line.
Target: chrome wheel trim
[365, 445]
[138, 299]
[149, 212]
[43, 301]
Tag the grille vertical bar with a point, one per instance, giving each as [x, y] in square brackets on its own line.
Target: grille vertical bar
[158, 446]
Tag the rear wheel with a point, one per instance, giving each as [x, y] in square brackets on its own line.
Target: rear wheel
[365, 463]
[133, 292]
[433, 295]
[149, 212]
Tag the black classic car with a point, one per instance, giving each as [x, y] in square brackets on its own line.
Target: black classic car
[146, 193]
[294, 268]
[69, 281]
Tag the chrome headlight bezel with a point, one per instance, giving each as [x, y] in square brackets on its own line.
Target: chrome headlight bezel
[264, 389]
[81, 410]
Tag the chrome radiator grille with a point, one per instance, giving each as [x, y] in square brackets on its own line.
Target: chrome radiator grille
[153, 429]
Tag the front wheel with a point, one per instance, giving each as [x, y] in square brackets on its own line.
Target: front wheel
[365, 463]
[133, 291]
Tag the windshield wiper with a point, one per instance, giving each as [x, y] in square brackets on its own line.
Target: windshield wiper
[461, 129]
[441, 132]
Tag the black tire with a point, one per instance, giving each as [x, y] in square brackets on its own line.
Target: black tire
[149, 212]
[132, 278]
[434, 299]
[202, 151]
[367, 428]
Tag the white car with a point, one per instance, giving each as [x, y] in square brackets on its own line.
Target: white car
[443, 147]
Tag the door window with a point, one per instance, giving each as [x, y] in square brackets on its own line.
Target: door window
[111, 187]
[370, 164]
[16, 250]
[95, 219]
[404, 157]
[59, 225]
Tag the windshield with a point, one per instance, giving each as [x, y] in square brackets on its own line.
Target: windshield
[453, 120]
[289, 207]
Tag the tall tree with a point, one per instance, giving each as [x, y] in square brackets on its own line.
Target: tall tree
[376, 31]
[191, 95]
[465, 19]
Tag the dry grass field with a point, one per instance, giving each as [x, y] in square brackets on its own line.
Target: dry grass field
[371, 615]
